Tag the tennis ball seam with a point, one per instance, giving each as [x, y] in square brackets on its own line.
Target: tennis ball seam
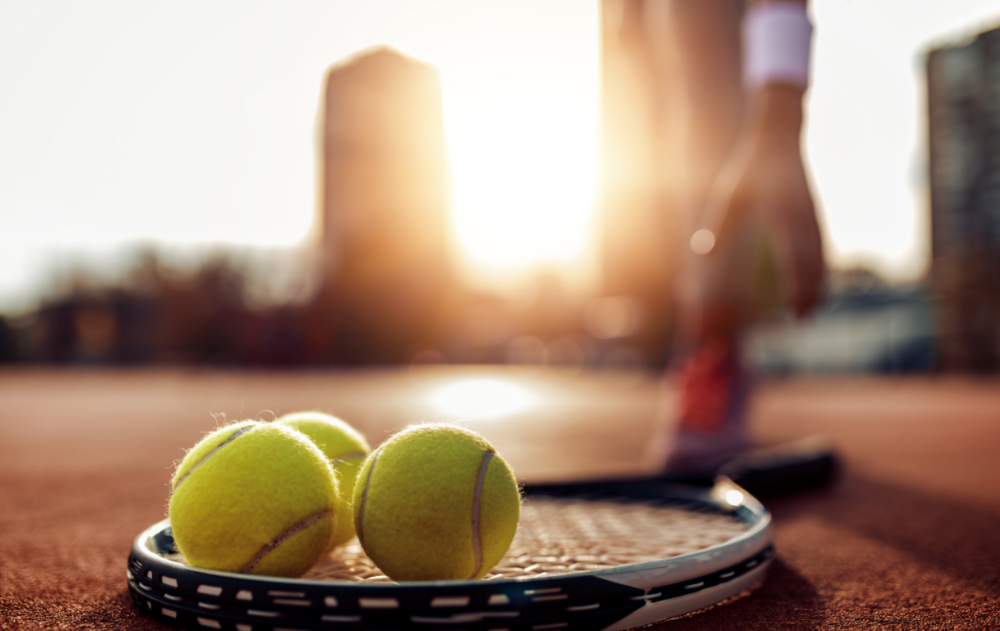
[280, 539]
[360, 527]
[239, 432]
[477, 544]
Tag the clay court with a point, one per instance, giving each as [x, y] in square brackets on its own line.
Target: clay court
[906, 538]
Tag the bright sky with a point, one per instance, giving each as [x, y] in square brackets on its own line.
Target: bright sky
[193, 123]
[866, 131]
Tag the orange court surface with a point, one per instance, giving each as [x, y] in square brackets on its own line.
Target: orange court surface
[908, 536]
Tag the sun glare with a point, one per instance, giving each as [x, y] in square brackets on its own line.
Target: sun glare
[481, 398]
[523, 155]
[523, 171]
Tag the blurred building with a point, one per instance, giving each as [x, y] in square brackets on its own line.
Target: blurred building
[388, 294]
[963, 85]
[386, 261]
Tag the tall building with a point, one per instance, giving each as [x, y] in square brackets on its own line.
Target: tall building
[963, 85]
[384, 208]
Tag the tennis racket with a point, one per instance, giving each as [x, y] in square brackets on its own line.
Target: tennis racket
[766, 472]
[583, 559]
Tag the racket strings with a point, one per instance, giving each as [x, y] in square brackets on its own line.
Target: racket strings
[558, 535]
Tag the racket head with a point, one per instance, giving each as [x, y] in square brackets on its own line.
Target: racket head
[612, 598]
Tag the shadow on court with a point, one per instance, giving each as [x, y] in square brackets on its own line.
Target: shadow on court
[946, 534]
[784, 590]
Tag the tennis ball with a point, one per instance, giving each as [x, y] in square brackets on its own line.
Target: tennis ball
[436, 502]
[255, 498]
[346, 449]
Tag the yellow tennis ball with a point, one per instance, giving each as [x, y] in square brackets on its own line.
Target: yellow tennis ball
[346, 449]
[436, 502]
[255, 498]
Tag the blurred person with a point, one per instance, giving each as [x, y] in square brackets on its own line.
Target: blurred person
[755, 241]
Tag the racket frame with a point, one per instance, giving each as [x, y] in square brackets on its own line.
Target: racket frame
[607, 599]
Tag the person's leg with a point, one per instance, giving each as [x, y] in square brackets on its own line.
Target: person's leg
[707, 425]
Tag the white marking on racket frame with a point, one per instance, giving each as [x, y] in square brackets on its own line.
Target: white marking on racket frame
[646, 596]
[263, 614]
[462, 618]
[232, 437]
[450, 601]
[477, 543]
[329, 618]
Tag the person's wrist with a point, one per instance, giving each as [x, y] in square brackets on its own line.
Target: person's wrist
[777, 42]
[776, 111]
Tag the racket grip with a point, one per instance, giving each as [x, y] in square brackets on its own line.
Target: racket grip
[807, 464]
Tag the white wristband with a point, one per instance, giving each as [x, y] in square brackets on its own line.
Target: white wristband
[776, 39]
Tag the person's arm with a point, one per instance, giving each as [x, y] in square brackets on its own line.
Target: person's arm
[764, 175]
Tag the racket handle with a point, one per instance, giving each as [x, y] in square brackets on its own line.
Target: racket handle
[787, 468]
[767, 472]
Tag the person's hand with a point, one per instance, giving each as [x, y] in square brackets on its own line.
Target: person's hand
[764, 175]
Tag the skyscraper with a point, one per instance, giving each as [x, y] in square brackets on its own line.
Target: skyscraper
[963, 84]
[386, 259]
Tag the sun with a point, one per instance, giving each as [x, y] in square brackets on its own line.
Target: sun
[523, 160]
[523, 169]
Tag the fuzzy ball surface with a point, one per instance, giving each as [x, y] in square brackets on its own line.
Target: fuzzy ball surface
[346, 449]
[436, 502]
[254, 498]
